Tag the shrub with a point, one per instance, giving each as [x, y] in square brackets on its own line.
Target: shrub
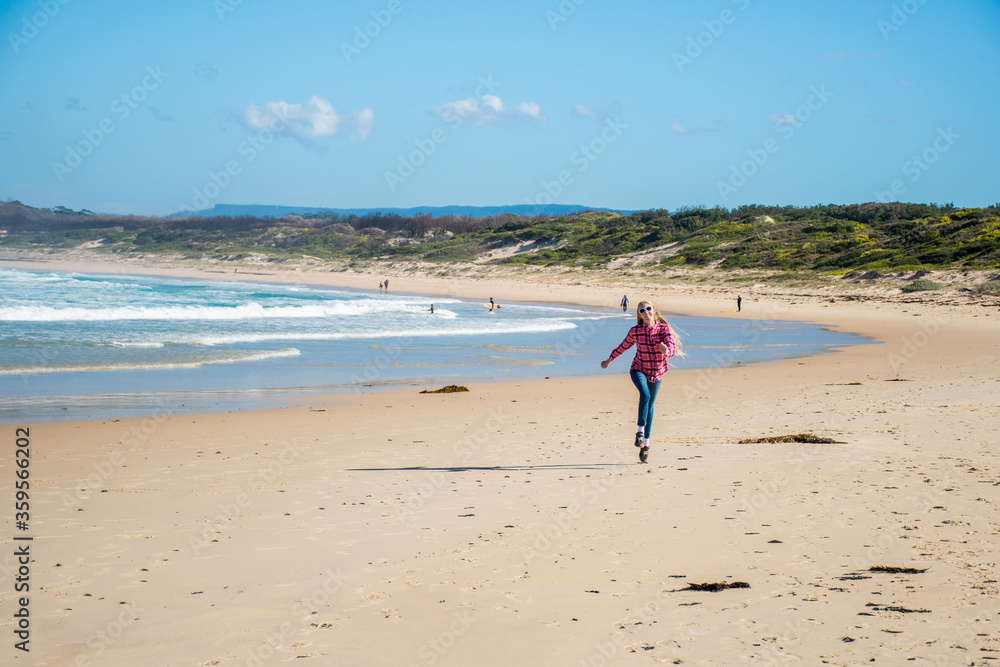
[452, 253]
[940, 256]
[922, 285]
[991, 288]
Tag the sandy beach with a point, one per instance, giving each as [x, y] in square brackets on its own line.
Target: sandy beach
[513, 524]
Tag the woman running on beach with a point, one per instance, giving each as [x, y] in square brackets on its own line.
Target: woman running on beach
[655, 342]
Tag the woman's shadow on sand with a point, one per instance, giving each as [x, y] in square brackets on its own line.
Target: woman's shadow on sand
[550, 466]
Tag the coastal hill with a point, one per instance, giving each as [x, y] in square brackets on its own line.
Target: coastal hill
[785, 241]
[267, 211]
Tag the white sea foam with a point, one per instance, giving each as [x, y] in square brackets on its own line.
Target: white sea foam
[247, 311]
[136, 344]
[10, 275]
[232, 358]
[537, 326]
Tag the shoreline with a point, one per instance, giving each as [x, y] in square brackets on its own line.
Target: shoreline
[673, 291]
[453, 522]
[421, 285]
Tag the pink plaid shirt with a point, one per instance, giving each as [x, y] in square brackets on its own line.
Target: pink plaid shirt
[648, 358]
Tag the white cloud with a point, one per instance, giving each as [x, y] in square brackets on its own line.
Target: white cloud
[493, 102]
[160, 115]
[704, 126]
[783, 118]
[598, 114]
[531, 110]
[678, 127]
[488, 111]
[206, 71]
[317, 119]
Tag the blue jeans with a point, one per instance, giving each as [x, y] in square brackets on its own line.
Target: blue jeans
[647, 396]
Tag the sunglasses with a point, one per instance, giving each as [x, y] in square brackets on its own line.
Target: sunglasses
[647, 309]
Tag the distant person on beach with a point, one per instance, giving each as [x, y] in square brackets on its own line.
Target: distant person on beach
[625, 303]
[739, 303]
[432, 309]
[655, 342]
[380, 286]
[386, 284]
[492, 305]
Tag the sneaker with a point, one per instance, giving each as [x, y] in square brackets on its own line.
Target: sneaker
[643, 454]
[638, 439]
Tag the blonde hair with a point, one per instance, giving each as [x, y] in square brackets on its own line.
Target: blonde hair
[659, 318]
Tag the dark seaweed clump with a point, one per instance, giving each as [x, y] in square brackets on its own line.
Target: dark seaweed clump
[450, 389]
[895, 570]
[796, 437]
[715, 587]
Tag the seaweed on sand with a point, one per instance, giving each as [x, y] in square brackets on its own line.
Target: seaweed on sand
[896, 570]
[450, 389]
[795, 437]
[715, 587]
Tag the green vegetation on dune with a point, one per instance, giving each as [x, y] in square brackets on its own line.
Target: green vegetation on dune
[834, 240]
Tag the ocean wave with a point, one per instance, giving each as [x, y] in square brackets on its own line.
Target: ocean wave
[233, 358]
[246, 311]
[22, 276]
[520, 327]
[137, 344]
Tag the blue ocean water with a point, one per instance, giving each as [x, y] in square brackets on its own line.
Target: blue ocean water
[94, 346]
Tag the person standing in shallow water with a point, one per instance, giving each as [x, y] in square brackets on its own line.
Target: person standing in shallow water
[655, 342]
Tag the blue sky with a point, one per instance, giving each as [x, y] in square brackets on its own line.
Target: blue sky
[151, 108]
